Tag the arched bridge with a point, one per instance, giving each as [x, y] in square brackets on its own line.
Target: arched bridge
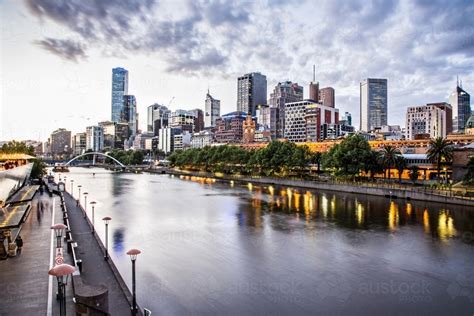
[95, 153]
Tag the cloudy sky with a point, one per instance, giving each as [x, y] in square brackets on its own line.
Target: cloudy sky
[57, 56]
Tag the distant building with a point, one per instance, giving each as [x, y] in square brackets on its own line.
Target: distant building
[119, 89]
[129, 113]
[251, 91]
[469, 128]
[373, 104]
[313, 91]
[249, 128]
[327, 97]
[346, 119]
[446, 107]
[198, 120]
[212, 110]
[94, 138]
[166, 138]
[140, 141]
[229, 127]
[60, 142]
[425, 120]
[460, 101]
[320, 122]
[157, 117]
[114, 134]
[79, 144]
[284, 92]
[267, 120]
[182, 141]
[389, 132]
[182, 119]
[202, 139]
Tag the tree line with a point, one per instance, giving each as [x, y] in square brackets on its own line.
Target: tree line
[352, 158]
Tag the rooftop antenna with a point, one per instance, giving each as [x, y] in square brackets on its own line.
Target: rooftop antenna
[314, 73]
[457, 81]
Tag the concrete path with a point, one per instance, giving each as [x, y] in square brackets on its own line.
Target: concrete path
[95, 271]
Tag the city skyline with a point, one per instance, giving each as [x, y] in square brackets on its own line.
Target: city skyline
[51, 73]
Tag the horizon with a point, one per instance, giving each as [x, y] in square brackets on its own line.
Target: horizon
[181, 49]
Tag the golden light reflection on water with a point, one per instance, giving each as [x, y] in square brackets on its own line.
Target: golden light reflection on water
[271, 190]
[249, 186]
[297, 200]
[409, 209]
[324, 206]
[426, 221]
[393, 217]
[360, 213]
[446, 227]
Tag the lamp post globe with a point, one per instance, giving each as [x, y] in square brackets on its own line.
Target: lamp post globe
[85, 203]
[93, 203]
[133, 253]
[62, 272]
[106, 220]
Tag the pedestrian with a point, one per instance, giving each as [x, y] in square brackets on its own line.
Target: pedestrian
[19, 243]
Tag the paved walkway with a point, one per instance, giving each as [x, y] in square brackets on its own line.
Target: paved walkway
[95, 271]
[24, 278]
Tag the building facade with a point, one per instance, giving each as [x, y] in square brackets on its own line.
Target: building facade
[229, 127]
[79, 144]
[157, 117]
[202, 139]
[212, 109]
[129, 114]
[182, 119]
[373, 104]
[251, 91]
[198, 120]
[327, 97]
[94, 138]
[182, 141]
[460, 101]
[119, 89]
[295, 123]
[60, 142]
[321, 122]
[429, 120]
[166, 138]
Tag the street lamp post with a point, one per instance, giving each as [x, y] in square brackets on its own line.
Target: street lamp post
[85, 203]
[133, 253]
[58, 230]
[65, 183]
[93, 203]
[62, 272]
[106, 221]
[72, 187]
[79, 196]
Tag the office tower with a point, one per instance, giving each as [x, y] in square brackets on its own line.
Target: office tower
[229, 127]
[78, 144]
[449, 114]
[129, 113]
[373, 104]
[426, 121]
[166, 138]
[314, 87]
[198, 119]
[182, 119]
[284, 92]
[460, 100]
[346, 119]
[321, 122]
[95, 138]
[119, 89]
[251, 91]
[60, 142]
[213, 110]
[158, 116]
[327, 97]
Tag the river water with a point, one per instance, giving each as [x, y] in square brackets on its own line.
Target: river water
[222, 248]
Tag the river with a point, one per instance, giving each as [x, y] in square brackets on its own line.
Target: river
[223, 248]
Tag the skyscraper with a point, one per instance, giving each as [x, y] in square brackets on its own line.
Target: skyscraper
[119, 89]
[198, 120]
[425, 121]
[460, 100]
[158, 116]
[327, 97]
[373, 104]
[212, 109]
[251, 91]
[129, 113]
[284, 92]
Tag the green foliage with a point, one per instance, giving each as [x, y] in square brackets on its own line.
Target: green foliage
[38, 170]
[469, 177]
[440, 150]
[373, 164]
[129, 157]
[18, 148]
[400, 165]
[388, 158]
[349, 157]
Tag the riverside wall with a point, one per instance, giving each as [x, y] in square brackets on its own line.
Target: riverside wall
[13, 179]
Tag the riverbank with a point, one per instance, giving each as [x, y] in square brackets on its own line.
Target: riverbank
[391, 191]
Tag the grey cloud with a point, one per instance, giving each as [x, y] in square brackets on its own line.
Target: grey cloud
[67, 49]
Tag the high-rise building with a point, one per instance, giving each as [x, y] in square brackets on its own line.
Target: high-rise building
[166, 138]
[321, 122]
[157, 118]
[327, 97]
[114, 134]
[182, 119]
[198, 120]
[267, 119]
[251, 91]
[446, 107]
[460, 100]
[212, 109]
[95, 138]
[78, 144]
[346, 119]
[119, 89]
[61, 142]
[314, 91]
[426, 121]
[129, 113]
[202, 139]
[373, 104]
[284, 92]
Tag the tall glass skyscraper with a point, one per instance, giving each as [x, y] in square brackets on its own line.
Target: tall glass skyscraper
[373, 104]
[251, 91]
[129, 113]
[119, 89]
[460, 100]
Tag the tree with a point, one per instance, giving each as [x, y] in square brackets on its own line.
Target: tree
[440, 149]
[400, 165]
[388, 157]
[39, 169]
[414, 173]
[317, 159]
[469, 177]
[372, 164]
